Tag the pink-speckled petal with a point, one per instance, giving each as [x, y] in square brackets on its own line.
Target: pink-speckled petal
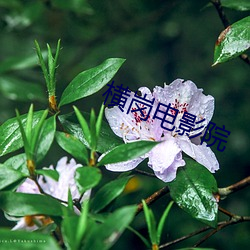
[201, 153]
[165, 159]
[122, 124]
[185, 96]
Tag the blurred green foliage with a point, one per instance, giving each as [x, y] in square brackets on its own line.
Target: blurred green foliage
[161, 41]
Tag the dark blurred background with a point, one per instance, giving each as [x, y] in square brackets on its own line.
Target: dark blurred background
[161, 41]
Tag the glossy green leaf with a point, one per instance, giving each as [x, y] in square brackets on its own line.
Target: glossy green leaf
[107, 139]
[127, 152]
[46, 138]
[73, 146]
[16, 240]
[78, 6]
[9, 175]
[87, 177]
[18, 162]
[10, 136]
[108, 193]
[233, 41]
[90, 81]
[193, 191]
[19, 90]
[20, 204]
[241, 5]
[105, 235]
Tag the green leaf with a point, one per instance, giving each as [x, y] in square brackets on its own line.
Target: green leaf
[193, 191]
[18, 162]
[107, 139]
[233, 41]
[90, 81]
[73, 146]
[37, 131]
[74, 228]
[43, 65]
[70, 201]
[151, 223]
[19, 90]
[53, 174]
[10, 136]
[99, 122]
[106, 234]
[69, 230]
[82, 223]
[92, 127]
[46, 138]
[8, 176]
[241, 5]
[20, 204]
[108, 193]
[16, 240]
[127, 152]
[162, 221]
[87, 177]
[84, 125]
[143, 239]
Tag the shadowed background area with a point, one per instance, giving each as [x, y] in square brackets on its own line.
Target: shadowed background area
[161, 41]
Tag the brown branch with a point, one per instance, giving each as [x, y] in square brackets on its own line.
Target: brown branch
[235, 220]
[144, 173]
[152, 198]
[223, 192]
[226, 23]
[224, 211]
[204, 229]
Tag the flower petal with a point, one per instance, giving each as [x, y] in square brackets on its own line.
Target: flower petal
[66, 180]
[201, 153]
[185, 96]
[21, 225]
[126, 165]
[29, 187]
[165, 158]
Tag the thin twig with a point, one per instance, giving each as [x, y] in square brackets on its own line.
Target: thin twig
[223, 192]
[144, 173]
[224, 211]
[152, 198]
[204, 229]
[226, 23]
[235, 220]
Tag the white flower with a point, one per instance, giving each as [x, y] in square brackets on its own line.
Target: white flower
[58, 189]
[166, 157]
